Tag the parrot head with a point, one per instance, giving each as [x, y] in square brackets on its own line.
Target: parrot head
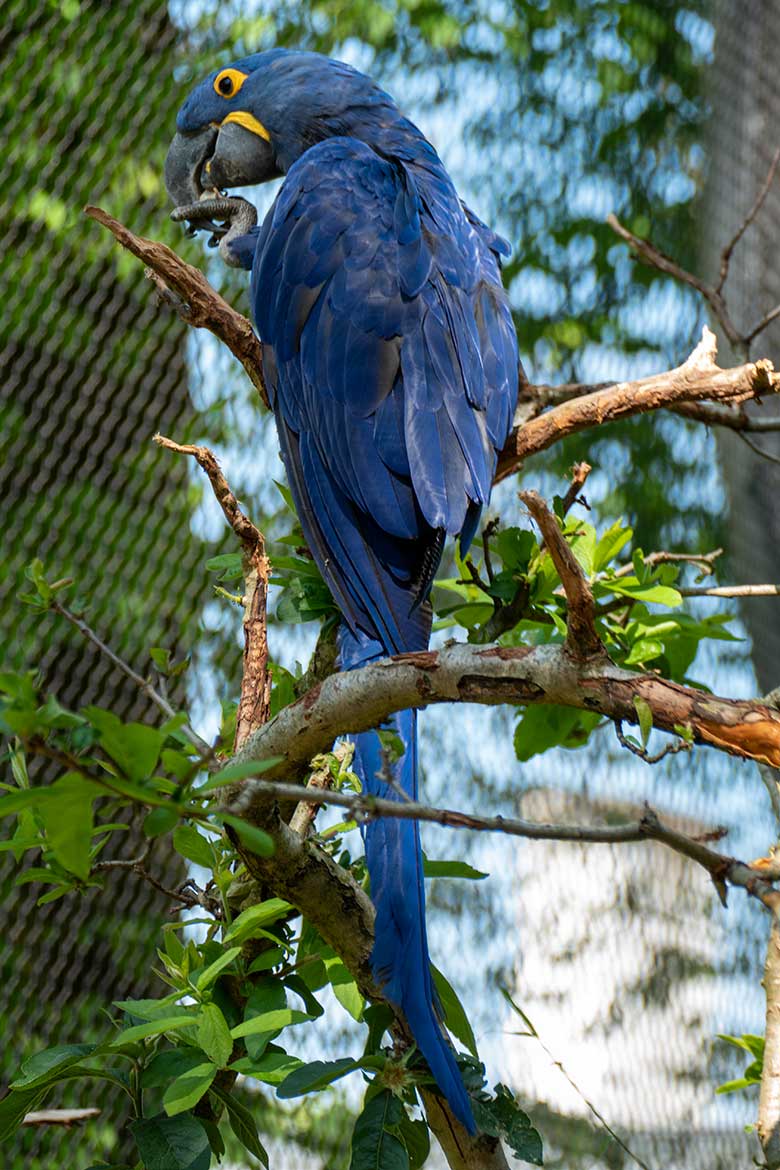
[249, 122]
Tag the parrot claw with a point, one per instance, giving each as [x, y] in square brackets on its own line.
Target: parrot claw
[236, 218]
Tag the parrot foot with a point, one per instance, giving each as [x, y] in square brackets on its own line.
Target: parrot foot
[237, 217]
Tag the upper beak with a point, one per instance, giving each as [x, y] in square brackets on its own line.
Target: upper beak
[216, 157]
[184, 164]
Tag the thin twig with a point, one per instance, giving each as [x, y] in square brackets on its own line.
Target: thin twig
[767, 319]
[703, 561]
[579, 473]
[725, 256]
[671, 749]
[142, 683]
[533, 1032]
[255, 701]
[657, 259]
[756, 877]
[755, 447]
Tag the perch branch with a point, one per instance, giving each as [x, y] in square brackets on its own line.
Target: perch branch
[194, 299]
[545, 413]
[357, 700]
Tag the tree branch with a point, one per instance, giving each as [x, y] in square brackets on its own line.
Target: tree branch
[143, 684]
[699, 377]
[582, 638]
[358, 700]
[545, 415]
[195, 300]
[255, 702]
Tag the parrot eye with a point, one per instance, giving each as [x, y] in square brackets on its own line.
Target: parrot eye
[228, 82]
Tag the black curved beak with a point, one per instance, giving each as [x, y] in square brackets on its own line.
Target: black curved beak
[215, 158]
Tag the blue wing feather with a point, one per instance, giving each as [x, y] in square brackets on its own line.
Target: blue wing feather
[392, 367]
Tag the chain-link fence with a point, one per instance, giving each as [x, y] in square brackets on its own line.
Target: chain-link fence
[623, 963]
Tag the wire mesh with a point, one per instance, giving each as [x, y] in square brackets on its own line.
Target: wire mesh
[627, 976]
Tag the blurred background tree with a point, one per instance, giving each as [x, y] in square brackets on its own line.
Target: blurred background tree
[549, 115]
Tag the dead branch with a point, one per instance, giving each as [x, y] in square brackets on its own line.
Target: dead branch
[195, 300]
[698, 378]
[65, 1117]
[255, 702]
[768, 1126]
[582, 639]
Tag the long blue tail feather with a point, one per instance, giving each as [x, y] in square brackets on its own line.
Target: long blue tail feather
[400, 959]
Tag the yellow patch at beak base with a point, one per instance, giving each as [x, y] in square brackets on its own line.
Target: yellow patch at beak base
[249, 122]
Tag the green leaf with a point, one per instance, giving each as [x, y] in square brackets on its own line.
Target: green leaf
[209, 974]
[269, 1022]
[253, 838]
[135, 747]
[153, 1028]
[268, 995]
[161, 820]
[228, 565]
[14, 1106]
[501, 1116]
[189, 843]
[545, 726]
[374, 1145]
[610, 544]
[650, 594]
[166, 1066]
[738, 1085]
[67, 818]
[48, 1066]
[451, 869]
[310, 1078]
[272, 1068]
[213, 1035]
[187, 1090]
[644, 650]
[264, 913]
[645, 716]
[239, 771]
[454, 1016]
[172, 1143]
[243, 1125]
[417, 1139]
[748, 1043]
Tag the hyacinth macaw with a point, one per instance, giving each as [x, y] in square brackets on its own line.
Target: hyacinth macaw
[391, 364]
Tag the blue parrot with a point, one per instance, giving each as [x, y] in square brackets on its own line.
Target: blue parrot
[391, 364]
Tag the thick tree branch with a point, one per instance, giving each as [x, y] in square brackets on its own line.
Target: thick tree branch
[358, 700]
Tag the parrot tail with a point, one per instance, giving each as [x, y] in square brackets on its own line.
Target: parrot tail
[400, 959]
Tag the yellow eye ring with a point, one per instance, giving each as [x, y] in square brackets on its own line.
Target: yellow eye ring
[228, 82]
